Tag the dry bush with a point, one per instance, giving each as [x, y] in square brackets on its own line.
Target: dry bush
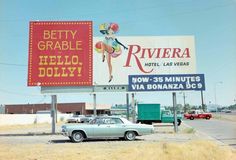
[118, 150]
[225, 117]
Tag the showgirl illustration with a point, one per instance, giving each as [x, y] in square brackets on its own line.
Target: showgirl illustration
[110, 47]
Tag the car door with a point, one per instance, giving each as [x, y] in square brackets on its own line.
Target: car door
[116, 127]
[101, 127]
[167, 117]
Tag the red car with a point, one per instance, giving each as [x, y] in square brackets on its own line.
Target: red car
[197, 114]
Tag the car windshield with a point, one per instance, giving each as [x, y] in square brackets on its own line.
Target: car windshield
[166, 112]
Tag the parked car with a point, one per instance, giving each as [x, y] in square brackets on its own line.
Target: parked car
[227, 111]
[88, 118]
[76, 119]
[197, 114]
[106, 127]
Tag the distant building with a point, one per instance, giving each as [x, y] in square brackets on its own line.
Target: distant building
[75, 108]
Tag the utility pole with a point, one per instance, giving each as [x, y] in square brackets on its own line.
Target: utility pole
[215, 91]
[184, 101]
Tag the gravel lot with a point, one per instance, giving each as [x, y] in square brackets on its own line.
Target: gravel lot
[35, 134]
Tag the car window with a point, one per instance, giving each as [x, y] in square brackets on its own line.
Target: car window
[100, 121]
[191, 112]
[116, 121]
[96, 121]
[166, 112]
[106, 121]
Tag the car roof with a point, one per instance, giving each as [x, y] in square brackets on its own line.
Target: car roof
[107, 117]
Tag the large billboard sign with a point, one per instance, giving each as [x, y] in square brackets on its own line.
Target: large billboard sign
[176, 82]
[60, 53]
[142, 55]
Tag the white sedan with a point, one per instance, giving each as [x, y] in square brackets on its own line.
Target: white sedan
[76, 119]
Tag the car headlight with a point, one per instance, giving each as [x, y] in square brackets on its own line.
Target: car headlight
[63, 128]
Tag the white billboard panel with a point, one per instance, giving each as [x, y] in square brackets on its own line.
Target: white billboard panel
[145, 55]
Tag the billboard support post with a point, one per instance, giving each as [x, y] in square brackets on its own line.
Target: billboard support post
[184, 102]
[53, 106]
[94, 104]
[175, 114]
[127, 103]
[203, 106]
[133, 108]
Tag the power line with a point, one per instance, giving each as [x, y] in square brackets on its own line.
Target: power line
[13, 64]
[18, 93]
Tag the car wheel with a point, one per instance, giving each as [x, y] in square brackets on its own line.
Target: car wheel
[77, 136]
[70, 138]
[130, 135]
[179, 122]
[207, 117]
[191, 118]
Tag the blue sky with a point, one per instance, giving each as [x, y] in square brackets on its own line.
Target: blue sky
[212, 22]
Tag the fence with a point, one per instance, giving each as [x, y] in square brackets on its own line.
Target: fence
[20, 119]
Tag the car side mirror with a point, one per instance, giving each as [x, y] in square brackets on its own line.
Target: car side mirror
[99, 123]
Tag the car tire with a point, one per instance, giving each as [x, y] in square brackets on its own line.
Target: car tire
[70, 138]
[207, 117]
[130, 135]
[191, 118]
[179, 122]
[77, 136]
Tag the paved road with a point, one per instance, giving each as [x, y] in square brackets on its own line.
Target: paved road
[223, 131]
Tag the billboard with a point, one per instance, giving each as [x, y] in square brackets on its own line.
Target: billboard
[142, 55]
[176, 82]
[60, 53]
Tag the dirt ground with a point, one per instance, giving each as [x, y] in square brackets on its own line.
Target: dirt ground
[225, 116]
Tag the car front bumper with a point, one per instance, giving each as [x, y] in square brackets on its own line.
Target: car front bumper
[65, 133]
